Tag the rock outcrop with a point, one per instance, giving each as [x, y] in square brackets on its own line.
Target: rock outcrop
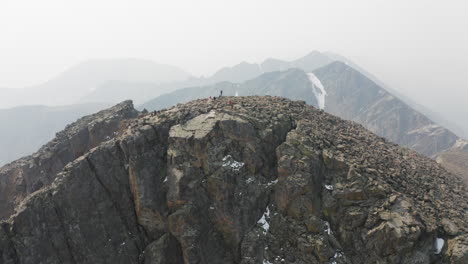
[261, 180]
[31, 173]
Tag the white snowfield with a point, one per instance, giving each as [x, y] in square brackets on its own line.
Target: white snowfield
[318, 90]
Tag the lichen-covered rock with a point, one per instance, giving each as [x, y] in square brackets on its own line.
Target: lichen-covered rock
[266, 180]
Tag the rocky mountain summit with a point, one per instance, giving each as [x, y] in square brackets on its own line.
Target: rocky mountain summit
[345, 92]
[31, 173]
[261, 180]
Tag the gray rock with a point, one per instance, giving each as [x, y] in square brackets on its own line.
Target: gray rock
[31, 173]
[205, 182]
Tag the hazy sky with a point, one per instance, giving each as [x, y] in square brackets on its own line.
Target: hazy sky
[416, 46]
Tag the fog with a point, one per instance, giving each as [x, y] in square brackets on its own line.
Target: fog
[418, 47]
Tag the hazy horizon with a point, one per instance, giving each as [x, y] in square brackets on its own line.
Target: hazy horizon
[417, 48]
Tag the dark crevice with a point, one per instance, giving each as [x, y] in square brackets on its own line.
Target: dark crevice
[109, 195]
[282, 139]
[116, 204]
[129, 194]
[65, 236]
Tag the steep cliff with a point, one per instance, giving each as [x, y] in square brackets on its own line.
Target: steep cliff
[29, 174]
[264, 180]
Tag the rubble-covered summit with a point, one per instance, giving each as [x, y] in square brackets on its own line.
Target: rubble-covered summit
[243, 180]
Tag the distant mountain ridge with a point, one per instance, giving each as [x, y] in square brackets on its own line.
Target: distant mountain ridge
[82, 79]
[292, 83]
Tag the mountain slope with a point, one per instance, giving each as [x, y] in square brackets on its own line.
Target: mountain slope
[352, 96]
[438, 118]
[238, 73]
[30, 173]
[266, 181]
[25, 129]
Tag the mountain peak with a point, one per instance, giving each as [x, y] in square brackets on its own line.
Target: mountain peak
[313, 54]
[197, 182]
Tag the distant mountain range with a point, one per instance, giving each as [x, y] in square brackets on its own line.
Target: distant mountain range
[114, 80]
[83, 79]
[292, 83]
[24, 129]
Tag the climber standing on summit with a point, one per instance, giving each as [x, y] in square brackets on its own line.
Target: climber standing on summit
[221, 93]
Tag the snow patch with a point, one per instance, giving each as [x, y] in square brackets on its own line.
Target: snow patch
[439, 244]
[250, 180]
[318, 90]
[266, 262]
[263, 221]
[338, 254]
[329, 187]
[228, 161]
[272, 182]
[165, 179]
[327, 228]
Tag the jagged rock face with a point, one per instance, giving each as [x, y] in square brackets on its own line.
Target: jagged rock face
[266, 180]
[29, 174]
